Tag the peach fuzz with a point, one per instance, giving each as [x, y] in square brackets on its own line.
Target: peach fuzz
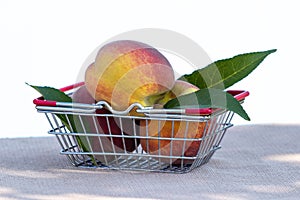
[126, 72]
[161, 145]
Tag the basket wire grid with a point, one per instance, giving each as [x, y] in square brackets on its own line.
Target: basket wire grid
[126, 142]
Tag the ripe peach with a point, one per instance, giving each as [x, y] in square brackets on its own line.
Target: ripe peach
[166, 132]
[126, 71]
[118, 126]
[81, 95]
[99, 124]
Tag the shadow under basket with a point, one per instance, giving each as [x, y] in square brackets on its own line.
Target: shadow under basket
[160, 140]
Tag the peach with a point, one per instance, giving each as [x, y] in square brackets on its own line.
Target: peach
[118, 126]
[81, 95]
[163, 130]
[162, 145]
[99, 124]
[126, 72]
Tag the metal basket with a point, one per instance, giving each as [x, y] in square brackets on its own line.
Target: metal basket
[161, 140]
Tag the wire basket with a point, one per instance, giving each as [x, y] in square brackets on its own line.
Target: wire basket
[161, 140]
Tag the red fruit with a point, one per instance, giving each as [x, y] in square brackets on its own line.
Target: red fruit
[103, 125]
[118, 126]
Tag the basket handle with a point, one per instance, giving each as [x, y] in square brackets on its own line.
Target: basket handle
[239, 95]
[40, 101]
[70, 87]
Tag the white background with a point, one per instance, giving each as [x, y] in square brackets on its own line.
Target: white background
[46, 43]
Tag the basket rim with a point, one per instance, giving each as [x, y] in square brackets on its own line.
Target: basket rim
[42, 104]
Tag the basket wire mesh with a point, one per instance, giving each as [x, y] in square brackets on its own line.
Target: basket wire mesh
[156, 140]
[87, 149]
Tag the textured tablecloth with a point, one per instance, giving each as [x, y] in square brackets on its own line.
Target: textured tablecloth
[255, 162]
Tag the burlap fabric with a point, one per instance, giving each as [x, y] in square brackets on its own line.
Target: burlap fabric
[255, 162]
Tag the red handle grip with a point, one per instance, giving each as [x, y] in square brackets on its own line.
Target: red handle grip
[41, 102]
[70, 87]
[239, 94]
[198, 111]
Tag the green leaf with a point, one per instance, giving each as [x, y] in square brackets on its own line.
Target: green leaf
[208, 98]
[53, 94]
[224, 73]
